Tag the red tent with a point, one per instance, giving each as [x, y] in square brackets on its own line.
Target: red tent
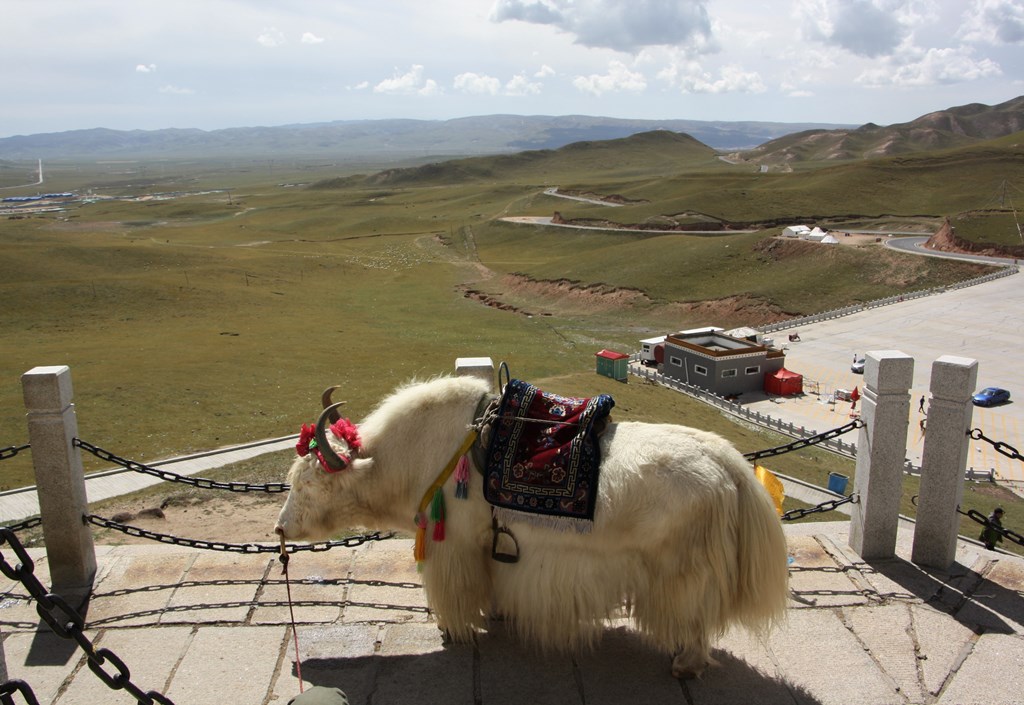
[783, 383]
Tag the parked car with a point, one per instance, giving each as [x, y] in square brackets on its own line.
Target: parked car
[990, 396]
[858, 366]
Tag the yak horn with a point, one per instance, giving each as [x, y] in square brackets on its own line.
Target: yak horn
[334, 461]
[325, 401]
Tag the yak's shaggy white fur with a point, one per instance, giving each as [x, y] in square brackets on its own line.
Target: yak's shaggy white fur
[685, 539]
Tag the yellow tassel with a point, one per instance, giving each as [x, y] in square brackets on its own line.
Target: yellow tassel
[773, 485]
[419, 550]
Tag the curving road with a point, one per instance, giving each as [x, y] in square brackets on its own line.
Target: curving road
[915, 245]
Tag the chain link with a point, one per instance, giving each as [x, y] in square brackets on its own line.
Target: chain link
[200, 482]
[349, 542]
[19, 686]
[12, 451]
[805, 442]
[1004, 448]
[25, 525]
[68, 624]
[983, 520]
[826, 506]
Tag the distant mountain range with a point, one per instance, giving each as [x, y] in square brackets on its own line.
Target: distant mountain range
[766, 143]
[400, 139]
[954, 127]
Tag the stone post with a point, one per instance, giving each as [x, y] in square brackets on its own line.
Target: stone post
[482, 367]
[946, 445]
[60, 480]
[881, 452]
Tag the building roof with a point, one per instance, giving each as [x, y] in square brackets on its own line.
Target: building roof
[611, 355]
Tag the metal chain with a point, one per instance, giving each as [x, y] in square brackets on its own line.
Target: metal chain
[1004, 448]
[12, 451]
[20, 686]
[983, 520]
[68, 624]
[349, 542]
[805, 442]
[200, 482]
[823, 507]
[25, 525]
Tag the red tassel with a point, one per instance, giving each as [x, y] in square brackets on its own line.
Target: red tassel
[437, 514]
[462, 478]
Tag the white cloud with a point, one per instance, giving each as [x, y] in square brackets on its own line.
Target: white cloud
[176, 90]
[271, 37]
[409, 83]
[994, 21]
[544, 71]
[520, 85]
[310, 38]
[690, 76]
[933, 67]
[619, 78]
[731, 79]
[612, 24]
[474, 84]
[478, 85]
[145, 68]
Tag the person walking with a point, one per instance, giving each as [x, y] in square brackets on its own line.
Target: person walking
[991, 534]
[920, 405]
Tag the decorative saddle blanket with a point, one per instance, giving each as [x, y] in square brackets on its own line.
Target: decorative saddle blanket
[543, 457]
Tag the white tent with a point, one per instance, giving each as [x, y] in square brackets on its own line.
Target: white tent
[829, 240]
[795, 230]
[815, 235]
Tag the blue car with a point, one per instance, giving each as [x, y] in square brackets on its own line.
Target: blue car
[990, 396]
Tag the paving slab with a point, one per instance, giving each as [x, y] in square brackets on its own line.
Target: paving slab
[227, 664]
[219, 587]
[942, 643]
[816, 579]
[856, 632]
[888, 636]
[384, 585]
[820, 656]
[149, 579]
[993, 672]
[415, 664]
[512, 673]
[41, 659]
[336, 656]
[319, 584]
[152, 653]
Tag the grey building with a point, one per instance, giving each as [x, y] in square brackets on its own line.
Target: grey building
[720, 363]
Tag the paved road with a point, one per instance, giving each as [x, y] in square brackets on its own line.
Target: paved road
[915, 245]
[983, 322]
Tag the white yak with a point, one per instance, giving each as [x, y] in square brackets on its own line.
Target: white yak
[684, 540]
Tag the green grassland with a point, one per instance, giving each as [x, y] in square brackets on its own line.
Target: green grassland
[217, 317]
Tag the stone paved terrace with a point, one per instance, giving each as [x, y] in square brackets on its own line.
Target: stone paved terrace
[211, 627]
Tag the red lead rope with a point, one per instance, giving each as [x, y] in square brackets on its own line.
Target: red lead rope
[291, 613]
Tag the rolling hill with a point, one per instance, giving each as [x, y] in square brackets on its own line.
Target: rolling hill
[954, 127]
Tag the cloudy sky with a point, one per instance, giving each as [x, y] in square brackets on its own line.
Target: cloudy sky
[145, 64]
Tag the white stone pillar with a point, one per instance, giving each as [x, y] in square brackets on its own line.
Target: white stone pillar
[60, 480]
[881, 452]
[482, 367]
[946, 445]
